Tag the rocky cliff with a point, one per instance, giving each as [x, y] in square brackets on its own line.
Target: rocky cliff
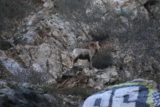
[37, 38]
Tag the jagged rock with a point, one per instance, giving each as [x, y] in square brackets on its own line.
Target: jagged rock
[5, 45]
[11, 65]
[48, 3]
[131, 8]
[96, 5]
[94, 78]
[2, 53]
[101, 78]
[108, 75]
[37, 68]
[44, 58]
[18, 95]
[29, 38]
[42, 49]
[45, 38]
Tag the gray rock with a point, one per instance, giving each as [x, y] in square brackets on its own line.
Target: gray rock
[29, 38]
[11, 65]
[20, 96]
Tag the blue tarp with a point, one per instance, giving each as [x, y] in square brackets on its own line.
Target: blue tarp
[140, 93]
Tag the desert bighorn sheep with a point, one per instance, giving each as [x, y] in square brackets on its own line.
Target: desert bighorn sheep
[85, 54]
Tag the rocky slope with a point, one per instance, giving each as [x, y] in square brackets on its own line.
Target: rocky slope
[37, 46]
[24, 95]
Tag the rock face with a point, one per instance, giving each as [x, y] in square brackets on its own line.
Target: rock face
[38, 48]
[126, 29]
[11, 65]
[16, 95]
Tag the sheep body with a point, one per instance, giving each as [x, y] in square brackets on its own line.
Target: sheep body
[85, 54]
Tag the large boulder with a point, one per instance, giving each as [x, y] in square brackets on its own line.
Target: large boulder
[24, 95]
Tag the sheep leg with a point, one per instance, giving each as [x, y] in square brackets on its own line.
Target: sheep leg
[74, 61]
[90, 63]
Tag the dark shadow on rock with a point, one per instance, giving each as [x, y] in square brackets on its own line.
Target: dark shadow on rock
[5, 45]
[21, 96]
[75, 70]
[102, 60]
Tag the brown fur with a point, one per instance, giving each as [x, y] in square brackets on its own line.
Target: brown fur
[84, 53]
